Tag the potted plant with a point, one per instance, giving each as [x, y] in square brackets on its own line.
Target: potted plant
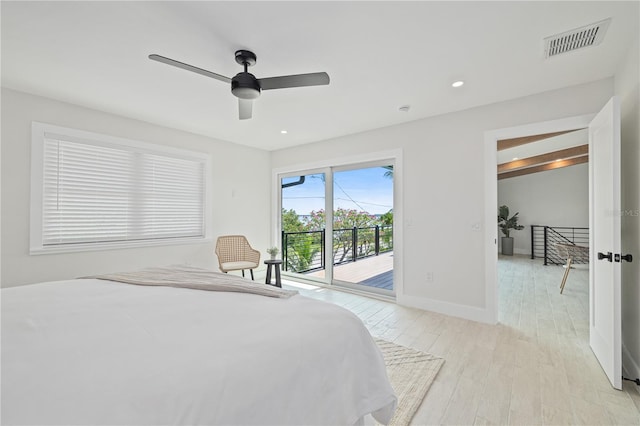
[273, 251]
[506, 224]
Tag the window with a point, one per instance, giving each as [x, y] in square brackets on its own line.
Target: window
[93, 191]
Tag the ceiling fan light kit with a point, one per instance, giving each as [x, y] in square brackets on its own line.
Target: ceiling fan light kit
[245, 86]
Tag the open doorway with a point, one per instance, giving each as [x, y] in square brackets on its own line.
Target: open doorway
[512, 167]
[543, 194]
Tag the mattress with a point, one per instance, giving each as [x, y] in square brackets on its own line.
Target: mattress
[96, 352]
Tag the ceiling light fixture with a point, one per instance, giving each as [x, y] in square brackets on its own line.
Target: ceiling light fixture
[404, 108]
[514, 158]
[284, 132]
[458, 83]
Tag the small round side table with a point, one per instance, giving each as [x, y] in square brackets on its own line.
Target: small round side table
[275, 263]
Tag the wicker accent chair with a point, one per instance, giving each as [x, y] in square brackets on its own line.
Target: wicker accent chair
[573, 253]
[235, 254]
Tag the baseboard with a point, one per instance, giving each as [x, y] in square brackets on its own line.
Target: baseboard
[461, 311]
[630, 367]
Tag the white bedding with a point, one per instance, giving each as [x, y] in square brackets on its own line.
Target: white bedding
[98, 352]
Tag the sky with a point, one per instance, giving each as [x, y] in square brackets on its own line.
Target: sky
[362, 189]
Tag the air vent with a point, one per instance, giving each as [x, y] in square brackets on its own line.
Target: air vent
[589, 35]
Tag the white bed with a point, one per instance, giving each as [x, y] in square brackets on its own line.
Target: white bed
[92, 352]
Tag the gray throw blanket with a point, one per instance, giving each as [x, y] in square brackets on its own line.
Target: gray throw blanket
[182, 276]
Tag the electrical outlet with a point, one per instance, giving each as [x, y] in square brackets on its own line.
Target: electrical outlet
[429, 277]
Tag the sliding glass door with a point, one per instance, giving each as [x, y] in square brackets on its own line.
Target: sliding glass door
[337, 225]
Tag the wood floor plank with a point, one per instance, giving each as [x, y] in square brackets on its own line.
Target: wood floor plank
[526, 403]
[496, 395]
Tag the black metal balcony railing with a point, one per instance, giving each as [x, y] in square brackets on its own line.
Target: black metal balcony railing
[305, 251]
[544, 240]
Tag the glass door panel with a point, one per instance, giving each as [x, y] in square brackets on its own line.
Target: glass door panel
[363, 228]
[303, 224]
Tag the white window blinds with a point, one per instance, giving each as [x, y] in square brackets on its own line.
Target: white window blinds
[99, 193]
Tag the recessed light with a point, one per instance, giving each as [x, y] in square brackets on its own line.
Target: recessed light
[559, 159]
[514, 158]
[404, 108]
[284, 132]
[457, 83]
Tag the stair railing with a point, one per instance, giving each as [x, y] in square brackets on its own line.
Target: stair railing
[544, 238]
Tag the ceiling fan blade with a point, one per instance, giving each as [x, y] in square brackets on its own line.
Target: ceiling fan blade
[245, 106]
[189, 68]
[297, 80]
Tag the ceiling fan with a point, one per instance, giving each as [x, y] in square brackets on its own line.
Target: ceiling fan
[245, 86]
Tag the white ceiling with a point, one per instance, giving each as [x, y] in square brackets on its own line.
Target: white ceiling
[379, 55]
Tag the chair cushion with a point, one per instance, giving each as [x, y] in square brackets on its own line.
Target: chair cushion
[235, 266]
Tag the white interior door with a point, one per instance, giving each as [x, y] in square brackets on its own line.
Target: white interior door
[604, 217]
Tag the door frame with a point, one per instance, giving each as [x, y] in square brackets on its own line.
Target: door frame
[395, 156]
[491, 138]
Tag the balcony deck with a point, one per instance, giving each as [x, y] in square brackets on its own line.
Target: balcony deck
[374, 271]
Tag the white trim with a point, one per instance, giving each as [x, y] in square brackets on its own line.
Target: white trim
[40, 131]
[395, 156]
[108, 140]
[491, 227]
[328, 226]
[452, 309]
[491, 138]
[37, 177]
[398, 224]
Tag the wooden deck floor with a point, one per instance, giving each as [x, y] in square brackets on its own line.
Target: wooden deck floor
[374, 271]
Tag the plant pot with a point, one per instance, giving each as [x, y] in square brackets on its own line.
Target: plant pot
[507, 246]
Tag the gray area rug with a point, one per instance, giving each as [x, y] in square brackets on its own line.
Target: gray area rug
[411, 373]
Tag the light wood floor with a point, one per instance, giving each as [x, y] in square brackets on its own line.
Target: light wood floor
[535, 367]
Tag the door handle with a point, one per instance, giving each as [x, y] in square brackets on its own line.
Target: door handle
[626, 257]
[608, 256]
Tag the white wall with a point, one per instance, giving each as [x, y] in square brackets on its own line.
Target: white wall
[444, 189]
[240, 187]
[557, 197]
[627, 86]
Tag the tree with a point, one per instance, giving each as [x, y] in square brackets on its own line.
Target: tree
[291, 222]
[387, 218]
[344, 220]
[301, 248]
[301, 251]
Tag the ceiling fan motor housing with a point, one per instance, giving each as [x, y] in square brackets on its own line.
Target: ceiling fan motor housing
[245, 86]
